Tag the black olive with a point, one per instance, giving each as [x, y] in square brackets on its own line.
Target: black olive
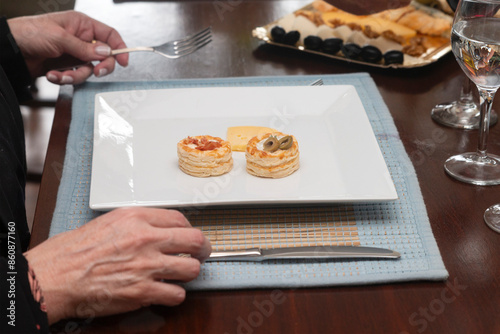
[277, 34]
[393, 57]
[351, 51]
[291, 37]
[313, 42]
[371, 54]
[332, 45]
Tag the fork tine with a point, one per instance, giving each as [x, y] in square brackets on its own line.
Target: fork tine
[193, 40]
[193, 44]
[190, 37]
[192, 49]
[318, 82]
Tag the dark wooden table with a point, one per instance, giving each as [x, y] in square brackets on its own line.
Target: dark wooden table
[467, 303]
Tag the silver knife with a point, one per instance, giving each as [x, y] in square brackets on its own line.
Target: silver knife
[312, 252]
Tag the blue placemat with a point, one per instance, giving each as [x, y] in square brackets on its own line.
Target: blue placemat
[402, 225]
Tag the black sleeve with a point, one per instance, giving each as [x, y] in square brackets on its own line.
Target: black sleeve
[13, 63]
[21, 313]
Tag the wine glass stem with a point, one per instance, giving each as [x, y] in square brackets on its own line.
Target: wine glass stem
[486, 101]
[466, 97]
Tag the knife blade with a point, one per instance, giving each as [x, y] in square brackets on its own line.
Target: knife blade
[311, 252]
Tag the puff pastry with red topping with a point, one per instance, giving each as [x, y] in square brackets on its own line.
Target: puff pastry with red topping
[204, 156]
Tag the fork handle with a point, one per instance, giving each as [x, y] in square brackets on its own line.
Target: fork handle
[127, 50]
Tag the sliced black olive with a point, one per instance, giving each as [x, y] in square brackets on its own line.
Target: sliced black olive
[286, 142]
[277, 34]
[291, 37]
[393, 57]
[271, 144]
[313, 42]
[332, 45]
[351, 50]
[371, 54]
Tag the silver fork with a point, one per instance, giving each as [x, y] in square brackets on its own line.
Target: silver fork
[177, 48]
[318, 82]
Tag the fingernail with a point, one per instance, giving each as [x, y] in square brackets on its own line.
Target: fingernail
[66, 79]
[52, 77]
[102, 72]
[103, 50]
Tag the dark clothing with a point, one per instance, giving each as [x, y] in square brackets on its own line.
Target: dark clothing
[20, 312]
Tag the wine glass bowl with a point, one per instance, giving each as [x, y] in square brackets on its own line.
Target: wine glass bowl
[475, 40]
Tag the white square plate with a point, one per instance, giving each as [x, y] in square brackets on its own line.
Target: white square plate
[136, 133]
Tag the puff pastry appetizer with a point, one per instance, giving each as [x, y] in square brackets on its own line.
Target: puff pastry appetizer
[272, 155]
[204, 156]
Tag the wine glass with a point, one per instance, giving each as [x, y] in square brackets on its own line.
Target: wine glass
[462, 113]
[475, 41]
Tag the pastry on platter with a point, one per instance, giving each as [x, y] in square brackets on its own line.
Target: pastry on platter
[413, 18]
[204, 156]
[272, 155]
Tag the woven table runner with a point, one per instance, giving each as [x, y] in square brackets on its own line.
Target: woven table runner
[277, 227]
[401, 225]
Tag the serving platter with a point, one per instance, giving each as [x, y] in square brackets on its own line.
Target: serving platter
[436, 46]
[135, 159]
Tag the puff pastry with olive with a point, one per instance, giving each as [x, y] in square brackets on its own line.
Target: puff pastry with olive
[272, 155]
[204, 156]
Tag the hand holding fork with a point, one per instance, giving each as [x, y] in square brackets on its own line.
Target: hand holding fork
[173, 49]
[176, 48]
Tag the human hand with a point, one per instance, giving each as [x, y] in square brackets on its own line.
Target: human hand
[64, 39]
[116, 263]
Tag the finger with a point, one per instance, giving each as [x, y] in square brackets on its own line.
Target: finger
[162, 293]
[91, 52]
[76, 76]
[184, 240]
[177, 268]
[105, 67]
[155, 217]
[111, 37]
[170, 217]
[83, 50]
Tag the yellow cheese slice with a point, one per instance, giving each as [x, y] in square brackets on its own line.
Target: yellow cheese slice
[239, 136]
